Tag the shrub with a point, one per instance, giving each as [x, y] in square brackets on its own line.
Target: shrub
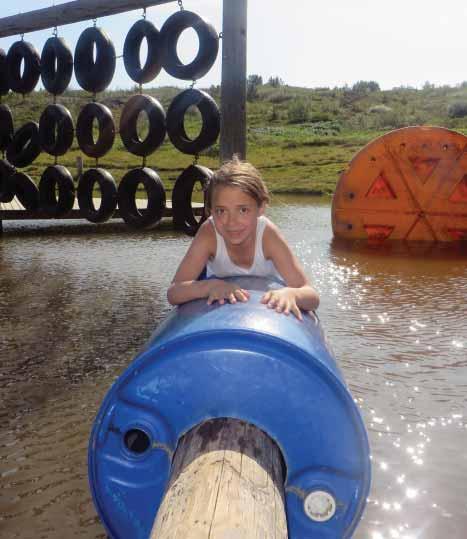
[457, 110]
[299, 111]
[375, 109]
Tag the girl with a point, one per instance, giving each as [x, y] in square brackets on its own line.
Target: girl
[237, 239]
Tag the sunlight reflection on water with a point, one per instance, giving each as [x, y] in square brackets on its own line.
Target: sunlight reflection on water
[76, 307]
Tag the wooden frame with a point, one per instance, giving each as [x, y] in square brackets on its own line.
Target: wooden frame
[233, 83]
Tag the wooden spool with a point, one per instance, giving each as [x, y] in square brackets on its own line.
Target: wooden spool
[226, 483]
[410, 184]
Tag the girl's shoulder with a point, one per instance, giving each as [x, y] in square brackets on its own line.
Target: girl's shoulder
[207, 236]
[270, 236]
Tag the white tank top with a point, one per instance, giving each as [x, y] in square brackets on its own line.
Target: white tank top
[222, 266]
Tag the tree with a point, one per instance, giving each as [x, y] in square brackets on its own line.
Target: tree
[253, 82]
[275, 82]
[363, 87]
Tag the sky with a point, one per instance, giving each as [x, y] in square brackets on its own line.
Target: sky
[309, 43]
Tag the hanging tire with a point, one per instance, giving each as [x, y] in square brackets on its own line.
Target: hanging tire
[207, 51]
[94, 76]
[19, 52]
[56, 130]
[141, 218]
[142, 29]
[24, 147]
[4, 86]
[210, 121]
[56, 65]
[108, 190]
[182, 211]
[56, 177]
[129, 121]
[6, 126]
[26, 191]
[84, 130]
[7, 191]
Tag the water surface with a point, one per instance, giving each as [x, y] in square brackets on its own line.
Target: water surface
[78, 301]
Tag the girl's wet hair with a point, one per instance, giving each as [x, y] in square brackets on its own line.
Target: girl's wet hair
[237, 173]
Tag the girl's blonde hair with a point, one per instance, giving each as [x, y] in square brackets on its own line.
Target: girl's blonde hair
[237, 173]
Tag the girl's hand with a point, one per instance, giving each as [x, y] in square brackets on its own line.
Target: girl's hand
[221, 291]
[283, 301]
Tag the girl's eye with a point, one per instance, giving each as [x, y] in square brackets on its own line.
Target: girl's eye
[219, 211]
[243, 210]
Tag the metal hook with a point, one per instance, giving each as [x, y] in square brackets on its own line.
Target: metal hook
[180, 4]
[144, 13]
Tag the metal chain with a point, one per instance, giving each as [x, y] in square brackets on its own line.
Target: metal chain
[94, 22]
[144, 13]
[195, 159]
[180, 4]
[144, 161]
[22, 37]
[192, 85]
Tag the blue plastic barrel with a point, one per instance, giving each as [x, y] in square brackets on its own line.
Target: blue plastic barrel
[241, 361]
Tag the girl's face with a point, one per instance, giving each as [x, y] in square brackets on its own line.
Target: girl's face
[235, 214]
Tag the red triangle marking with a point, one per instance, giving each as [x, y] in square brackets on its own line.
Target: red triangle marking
[458, 233]
[378, 232]
[380, 188]
[460, 192]
[423, 167]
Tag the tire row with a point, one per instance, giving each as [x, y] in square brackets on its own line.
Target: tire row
[95, 57]
[55, 131]
[55, 195]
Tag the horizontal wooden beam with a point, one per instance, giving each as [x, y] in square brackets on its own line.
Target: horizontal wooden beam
[71, 12]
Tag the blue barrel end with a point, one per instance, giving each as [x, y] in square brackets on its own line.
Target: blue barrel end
[241, 361]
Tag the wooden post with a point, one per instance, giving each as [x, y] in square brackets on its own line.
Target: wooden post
[68, 13]
[226, 482]
[233, 89]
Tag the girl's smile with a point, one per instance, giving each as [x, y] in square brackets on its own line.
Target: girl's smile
[235, 215]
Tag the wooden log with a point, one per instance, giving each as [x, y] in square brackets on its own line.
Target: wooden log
[226, 483]
[68, 13]
[233, 90]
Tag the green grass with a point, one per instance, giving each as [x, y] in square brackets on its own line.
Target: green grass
[295, 155]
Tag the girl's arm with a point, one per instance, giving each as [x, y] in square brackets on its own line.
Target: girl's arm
[298, 293]
[185, 286]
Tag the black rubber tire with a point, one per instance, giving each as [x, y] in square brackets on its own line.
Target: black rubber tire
[26, 82]
[182, 211]
[84, 130]
[56, 130]
[26, 191]
[7, 191]
[138, 218]
[94, 76]
[4, 86]
[56, 176]
[24, 147]
[129, 122]
[207, 51]
[142, 29]
[6, 126]
[109, 197]
[210, 117]
[56, 65]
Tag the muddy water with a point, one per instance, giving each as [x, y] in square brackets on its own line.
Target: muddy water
[77, 302]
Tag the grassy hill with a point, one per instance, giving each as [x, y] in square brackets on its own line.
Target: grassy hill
[301, 139]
